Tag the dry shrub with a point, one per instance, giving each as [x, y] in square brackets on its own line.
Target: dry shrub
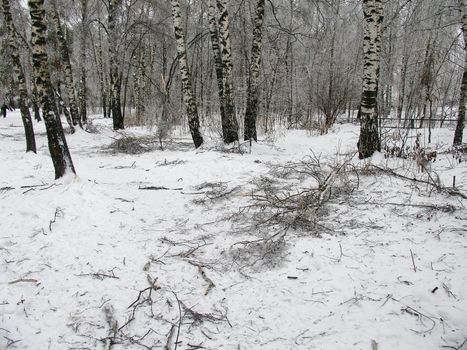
[133, 144]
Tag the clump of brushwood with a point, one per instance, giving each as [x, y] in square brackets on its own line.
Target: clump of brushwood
[130, 144]
[293, 197]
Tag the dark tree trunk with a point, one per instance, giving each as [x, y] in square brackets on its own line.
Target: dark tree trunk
[37, 111]
[58, 147]
[20, 79]
[82, 47]
[102, 83]
[458, 134]
[62, 108]
[115, 77]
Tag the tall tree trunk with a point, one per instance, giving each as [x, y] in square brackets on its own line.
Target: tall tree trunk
[462, 100]
[402, 84]
[139, 84]
[35, 103]
[115, 77]
[82, 47]
[20, 79]
[255, 65]
[69, 84]
[369, 140]
[231, 125]
[102, 83]
[189, 100]
[58, 147]
[61, 107]
[218, 64]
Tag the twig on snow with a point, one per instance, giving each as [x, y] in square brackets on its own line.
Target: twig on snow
[413, 261]
[159, 188]
[439, 188]
[204, 276]
[455, 347]
[101, 275]
[169, 337]
[58, 213]
[21, 280]
[6, 189]
[448, 291]
[10, 342]
[179, 320]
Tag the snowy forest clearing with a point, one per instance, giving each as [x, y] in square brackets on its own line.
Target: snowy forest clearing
[164, 249]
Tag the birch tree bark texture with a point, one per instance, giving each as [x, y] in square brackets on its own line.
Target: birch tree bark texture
[20, 79]
[369, 140]
[58, 147]
[218, 65]
[69, 84]
[458, 134]
[230, 124]
[255, 66]
[185, 76]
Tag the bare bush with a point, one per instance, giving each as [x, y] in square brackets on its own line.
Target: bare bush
[129, 144]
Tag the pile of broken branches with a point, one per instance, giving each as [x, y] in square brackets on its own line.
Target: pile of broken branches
[294, 197]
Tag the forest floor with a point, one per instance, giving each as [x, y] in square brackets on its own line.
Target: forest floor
[220, 249]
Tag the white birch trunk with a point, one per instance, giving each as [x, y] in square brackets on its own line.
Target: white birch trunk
[231, 125]
[188, 98]
[369, 141]
[58, 147]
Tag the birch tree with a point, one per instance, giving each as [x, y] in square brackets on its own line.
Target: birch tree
[230, 125]
[185, 76]
[462, 100]
[68, 73]
[58, 147]
[20, 78]
[369, 140]
[218, 65]
[255, 66]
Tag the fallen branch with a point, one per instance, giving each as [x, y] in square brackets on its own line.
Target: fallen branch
[21, 280]
[413, 261]
[100, 275]
[439, 188]
[445, 208]
[125, 166]
[180, 319]
[124, 200]
[455, 347]
[6, 189]
[204, 276]
[159, 188]
[32, 186]
[58, 213]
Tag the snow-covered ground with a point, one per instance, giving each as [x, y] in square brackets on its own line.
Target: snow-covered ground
[95, 262]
